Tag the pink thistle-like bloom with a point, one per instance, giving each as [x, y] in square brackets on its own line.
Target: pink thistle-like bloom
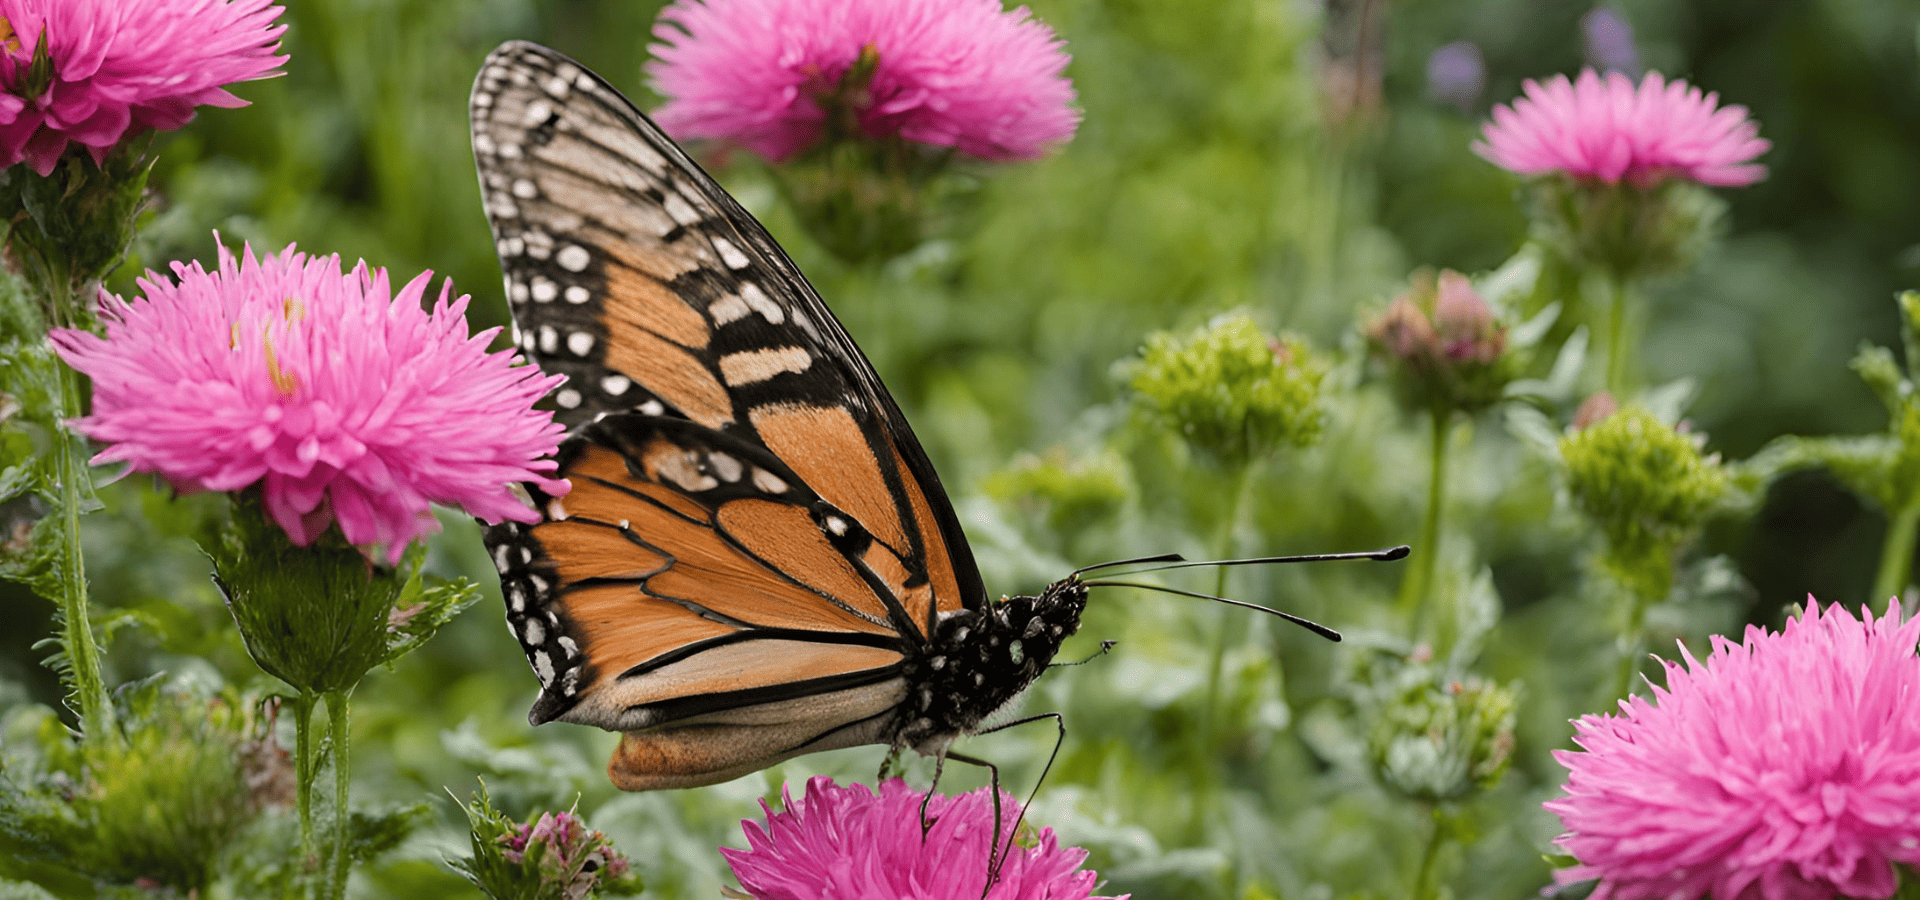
[577, 859]
[342, 400]
[120, 66]
[949, 73]
[1786, 767]
[1605, 129]
[846, 843]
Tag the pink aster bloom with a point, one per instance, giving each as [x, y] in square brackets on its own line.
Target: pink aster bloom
[951, 73]
[846, 843]
[341, 399]
[121, 66]
[1606, 129]
[1785, 768]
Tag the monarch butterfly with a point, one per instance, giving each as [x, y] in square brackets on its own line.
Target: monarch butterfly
[756, 559]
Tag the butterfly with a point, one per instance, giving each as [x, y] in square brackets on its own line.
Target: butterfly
[756, 559]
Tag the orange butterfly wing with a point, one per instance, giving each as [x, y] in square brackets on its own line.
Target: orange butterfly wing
[755, 540]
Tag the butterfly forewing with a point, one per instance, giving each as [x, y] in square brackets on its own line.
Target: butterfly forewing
[754, 539]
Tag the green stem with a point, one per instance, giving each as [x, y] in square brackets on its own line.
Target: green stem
[303, 773]
[1424, 883]
[1896, 555]
[1619, 342]
[1207, 734]
[89, 688]
[337, 734]
[1646, 581]
[1417, 587]
[1217, 662]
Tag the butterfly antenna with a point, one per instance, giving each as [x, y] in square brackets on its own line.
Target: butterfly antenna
[1388, 554]
[1308, 624]
[1164, 557]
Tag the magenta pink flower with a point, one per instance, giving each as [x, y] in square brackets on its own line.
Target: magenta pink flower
[120, 66]
[951, 73]
[342, 400]
[845, 843]
[1783, 768]
[1607, 130]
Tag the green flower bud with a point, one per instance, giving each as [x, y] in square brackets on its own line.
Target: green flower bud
[1444, 344]
[319, 617]
[1232, 392]
[1436, 738]
[1625, 231]
[1647, 485]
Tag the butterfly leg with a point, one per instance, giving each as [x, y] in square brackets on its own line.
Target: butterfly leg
[998, 859]
[1104, 647]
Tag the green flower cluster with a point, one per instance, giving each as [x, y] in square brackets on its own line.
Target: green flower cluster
[1436, 736]
[1647, 484]
[159, 801]
[1077, 492]
[1231, 391]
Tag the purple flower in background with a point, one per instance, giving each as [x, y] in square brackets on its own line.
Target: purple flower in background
[1608, 37]
[847, 843]
[1456, 74]
[1786, 767]
[1606, 129]
[763, 74]
[343, 400]
[116, 67]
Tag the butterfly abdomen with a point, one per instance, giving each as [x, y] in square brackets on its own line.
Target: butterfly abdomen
[977, 661]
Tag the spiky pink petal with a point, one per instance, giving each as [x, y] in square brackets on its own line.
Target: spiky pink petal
[121, 66]
[1609, 130]
[964, 74]
[1787, 766]
[343, 400]
[848, 843]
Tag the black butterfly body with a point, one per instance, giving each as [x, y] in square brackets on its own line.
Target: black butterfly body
[756, 559]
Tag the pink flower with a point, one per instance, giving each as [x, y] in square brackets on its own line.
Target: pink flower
[577, 859]
[951, 73]
[1784, 767]
[120, 66]
[1608, 130]
[340, 399]
[845, 843]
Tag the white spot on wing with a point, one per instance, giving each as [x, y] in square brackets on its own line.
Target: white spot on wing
[755, 366]
[769, 482]
[730, 254]
[616, 384]
[728, 468]
[761, 303]
[573, 258]
[728, 309]
[568, 398]
[580, 342]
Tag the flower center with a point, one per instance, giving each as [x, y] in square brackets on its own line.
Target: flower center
[285, 382]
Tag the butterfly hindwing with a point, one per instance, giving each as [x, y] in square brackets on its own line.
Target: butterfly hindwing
[754, 539]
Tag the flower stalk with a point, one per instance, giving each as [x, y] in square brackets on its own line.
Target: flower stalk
[1896, 554]
[89, 687]
[1418, 585]
[337, 733]
[1619, 344]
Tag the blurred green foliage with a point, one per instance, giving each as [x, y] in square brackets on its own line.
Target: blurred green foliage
[1276, 158]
